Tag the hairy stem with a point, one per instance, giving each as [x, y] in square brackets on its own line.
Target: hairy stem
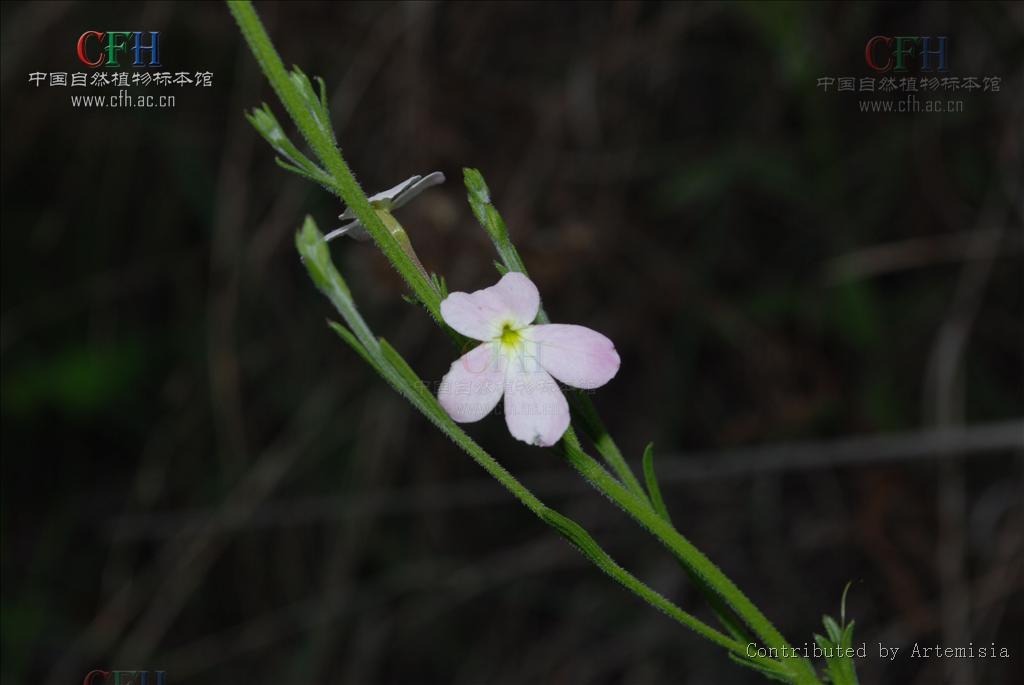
[396, 371]
[343, 183]
[644, 514]
[626, 490]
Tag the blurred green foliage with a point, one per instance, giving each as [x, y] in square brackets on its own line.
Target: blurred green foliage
[80, 381]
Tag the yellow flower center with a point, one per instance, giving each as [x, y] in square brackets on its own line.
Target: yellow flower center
[509, 336]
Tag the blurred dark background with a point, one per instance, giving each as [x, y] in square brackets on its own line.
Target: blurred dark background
[819, 312]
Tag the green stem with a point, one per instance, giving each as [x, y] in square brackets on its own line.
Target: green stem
[479, 196]
[595, 429]
[644, 514]
[631, 496]
[396, 371]
[344, 183]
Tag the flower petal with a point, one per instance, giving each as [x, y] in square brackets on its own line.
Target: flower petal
[482, 315]
[521, 296]
[535, 408]
[575, 355]
[409, 192]
[474, 384]
[383, 198]
[392, 198]
[353, 229]
[387, 196]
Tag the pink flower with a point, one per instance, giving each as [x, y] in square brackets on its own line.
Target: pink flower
[520, 361]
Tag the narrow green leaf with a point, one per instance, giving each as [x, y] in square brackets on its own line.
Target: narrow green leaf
[320, 178]
[403, 369]
[323, 93]
[440, 284]
[652, 483]
[848, 668]
[833, 665]
[266, 124]
[479, 196]
[595, 429]
[842, 602]
[479, 193]
[347, 336]
[834, 632]
[490, 220]
[847, 640]
[823, 641]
